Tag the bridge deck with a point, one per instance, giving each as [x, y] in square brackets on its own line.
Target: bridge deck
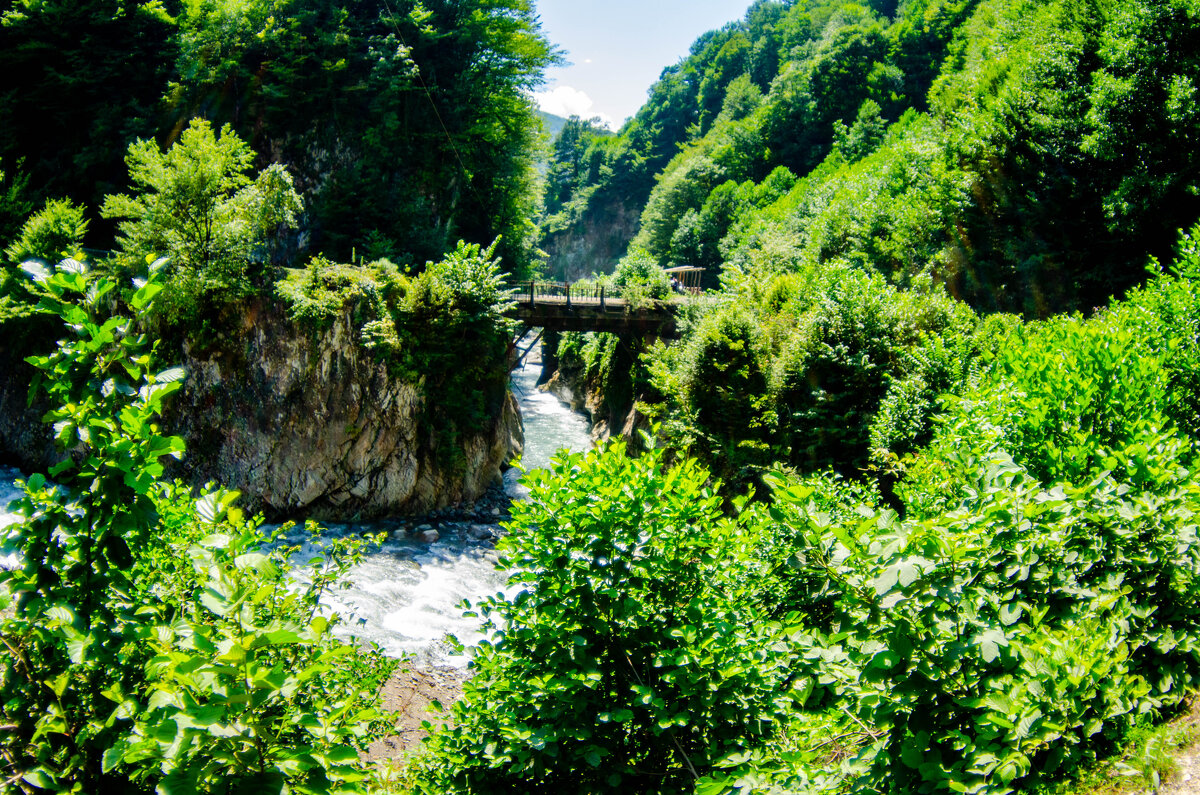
[593, 310]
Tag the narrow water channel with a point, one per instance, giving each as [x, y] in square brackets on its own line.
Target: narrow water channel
[406, 594]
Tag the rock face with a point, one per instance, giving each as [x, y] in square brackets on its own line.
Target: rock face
[311, 424]
[608, 414]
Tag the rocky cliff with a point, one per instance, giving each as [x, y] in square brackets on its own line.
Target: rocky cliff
[607, 398]
[303, 424]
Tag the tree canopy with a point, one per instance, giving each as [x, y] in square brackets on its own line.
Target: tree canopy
[1023, 152]
[406, 125]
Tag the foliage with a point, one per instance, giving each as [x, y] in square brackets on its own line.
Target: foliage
[420, 325]
[15, 205]
[247, 685]
[468, 281]
[80, 80]
[401, 121]
[830, 369]
[1036, 598]
[630, 656]
[984, 143]
[197, 201]
[54, 232]
[1066, 596]
[725, 388]
[405, 120]
[320, 293]
[1031, 602]
[1166, 313]
[641, 279]
[148, 638]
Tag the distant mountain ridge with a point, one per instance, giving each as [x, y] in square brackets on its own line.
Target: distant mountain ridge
[553, 124]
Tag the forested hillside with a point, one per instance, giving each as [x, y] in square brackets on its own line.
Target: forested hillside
[295, 219]
[1025, 153]
[406, 126]
[945, 375]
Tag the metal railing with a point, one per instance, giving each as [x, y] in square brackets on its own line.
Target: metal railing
[568, 293]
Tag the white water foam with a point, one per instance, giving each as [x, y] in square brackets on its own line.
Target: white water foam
[8, 493]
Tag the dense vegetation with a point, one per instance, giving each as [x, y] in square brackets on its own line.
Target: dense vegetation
[1029, 597]
[227, 230]
[152, 642]
[405, 125]
[1025, 153]
[954, 549]
[843, 171]
[901, 524]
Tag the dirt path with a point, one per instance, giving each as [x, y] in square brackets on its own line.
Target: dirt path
[1186, 780]
[410, 694]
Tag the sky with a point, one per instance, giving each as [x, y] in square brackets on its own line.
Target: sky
[616, 49]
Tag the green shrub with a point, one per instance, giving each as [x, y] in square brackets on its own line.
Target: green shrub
[629, 656]
[15, 203]
[54, 232]
[446, 329]
[640, 278]
[726, 389]
[320, 293]
[1068, 399]
[151, 642]
[992, 640]
[223, 230]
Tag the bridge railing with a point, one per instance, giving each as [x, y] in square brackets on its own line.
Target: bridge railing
[567, 293]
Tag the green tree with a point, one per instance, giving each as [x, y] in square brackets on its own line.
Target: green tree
[151, 644]
[726, 391]
[197, 202]
[1143, 111]
[640, 277]
[54, 232]
[570, 162]
[15, 204]
[79, 80]
[864, 136]
[630, 658]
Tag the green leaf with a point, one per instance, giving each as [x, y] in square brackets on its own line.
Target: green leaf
[36, 271]
[990, 643]
[113, 756]
[709, 786]
[1010, 614]
[40, 777]
[77, 647]
[887, 580]
[171, 375]
[215, 602]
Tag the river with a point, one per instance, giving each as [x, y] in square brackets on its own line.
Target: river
[406, 594]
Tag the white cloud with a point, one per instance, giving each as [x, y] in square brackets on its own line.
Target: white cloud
[567, 101]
